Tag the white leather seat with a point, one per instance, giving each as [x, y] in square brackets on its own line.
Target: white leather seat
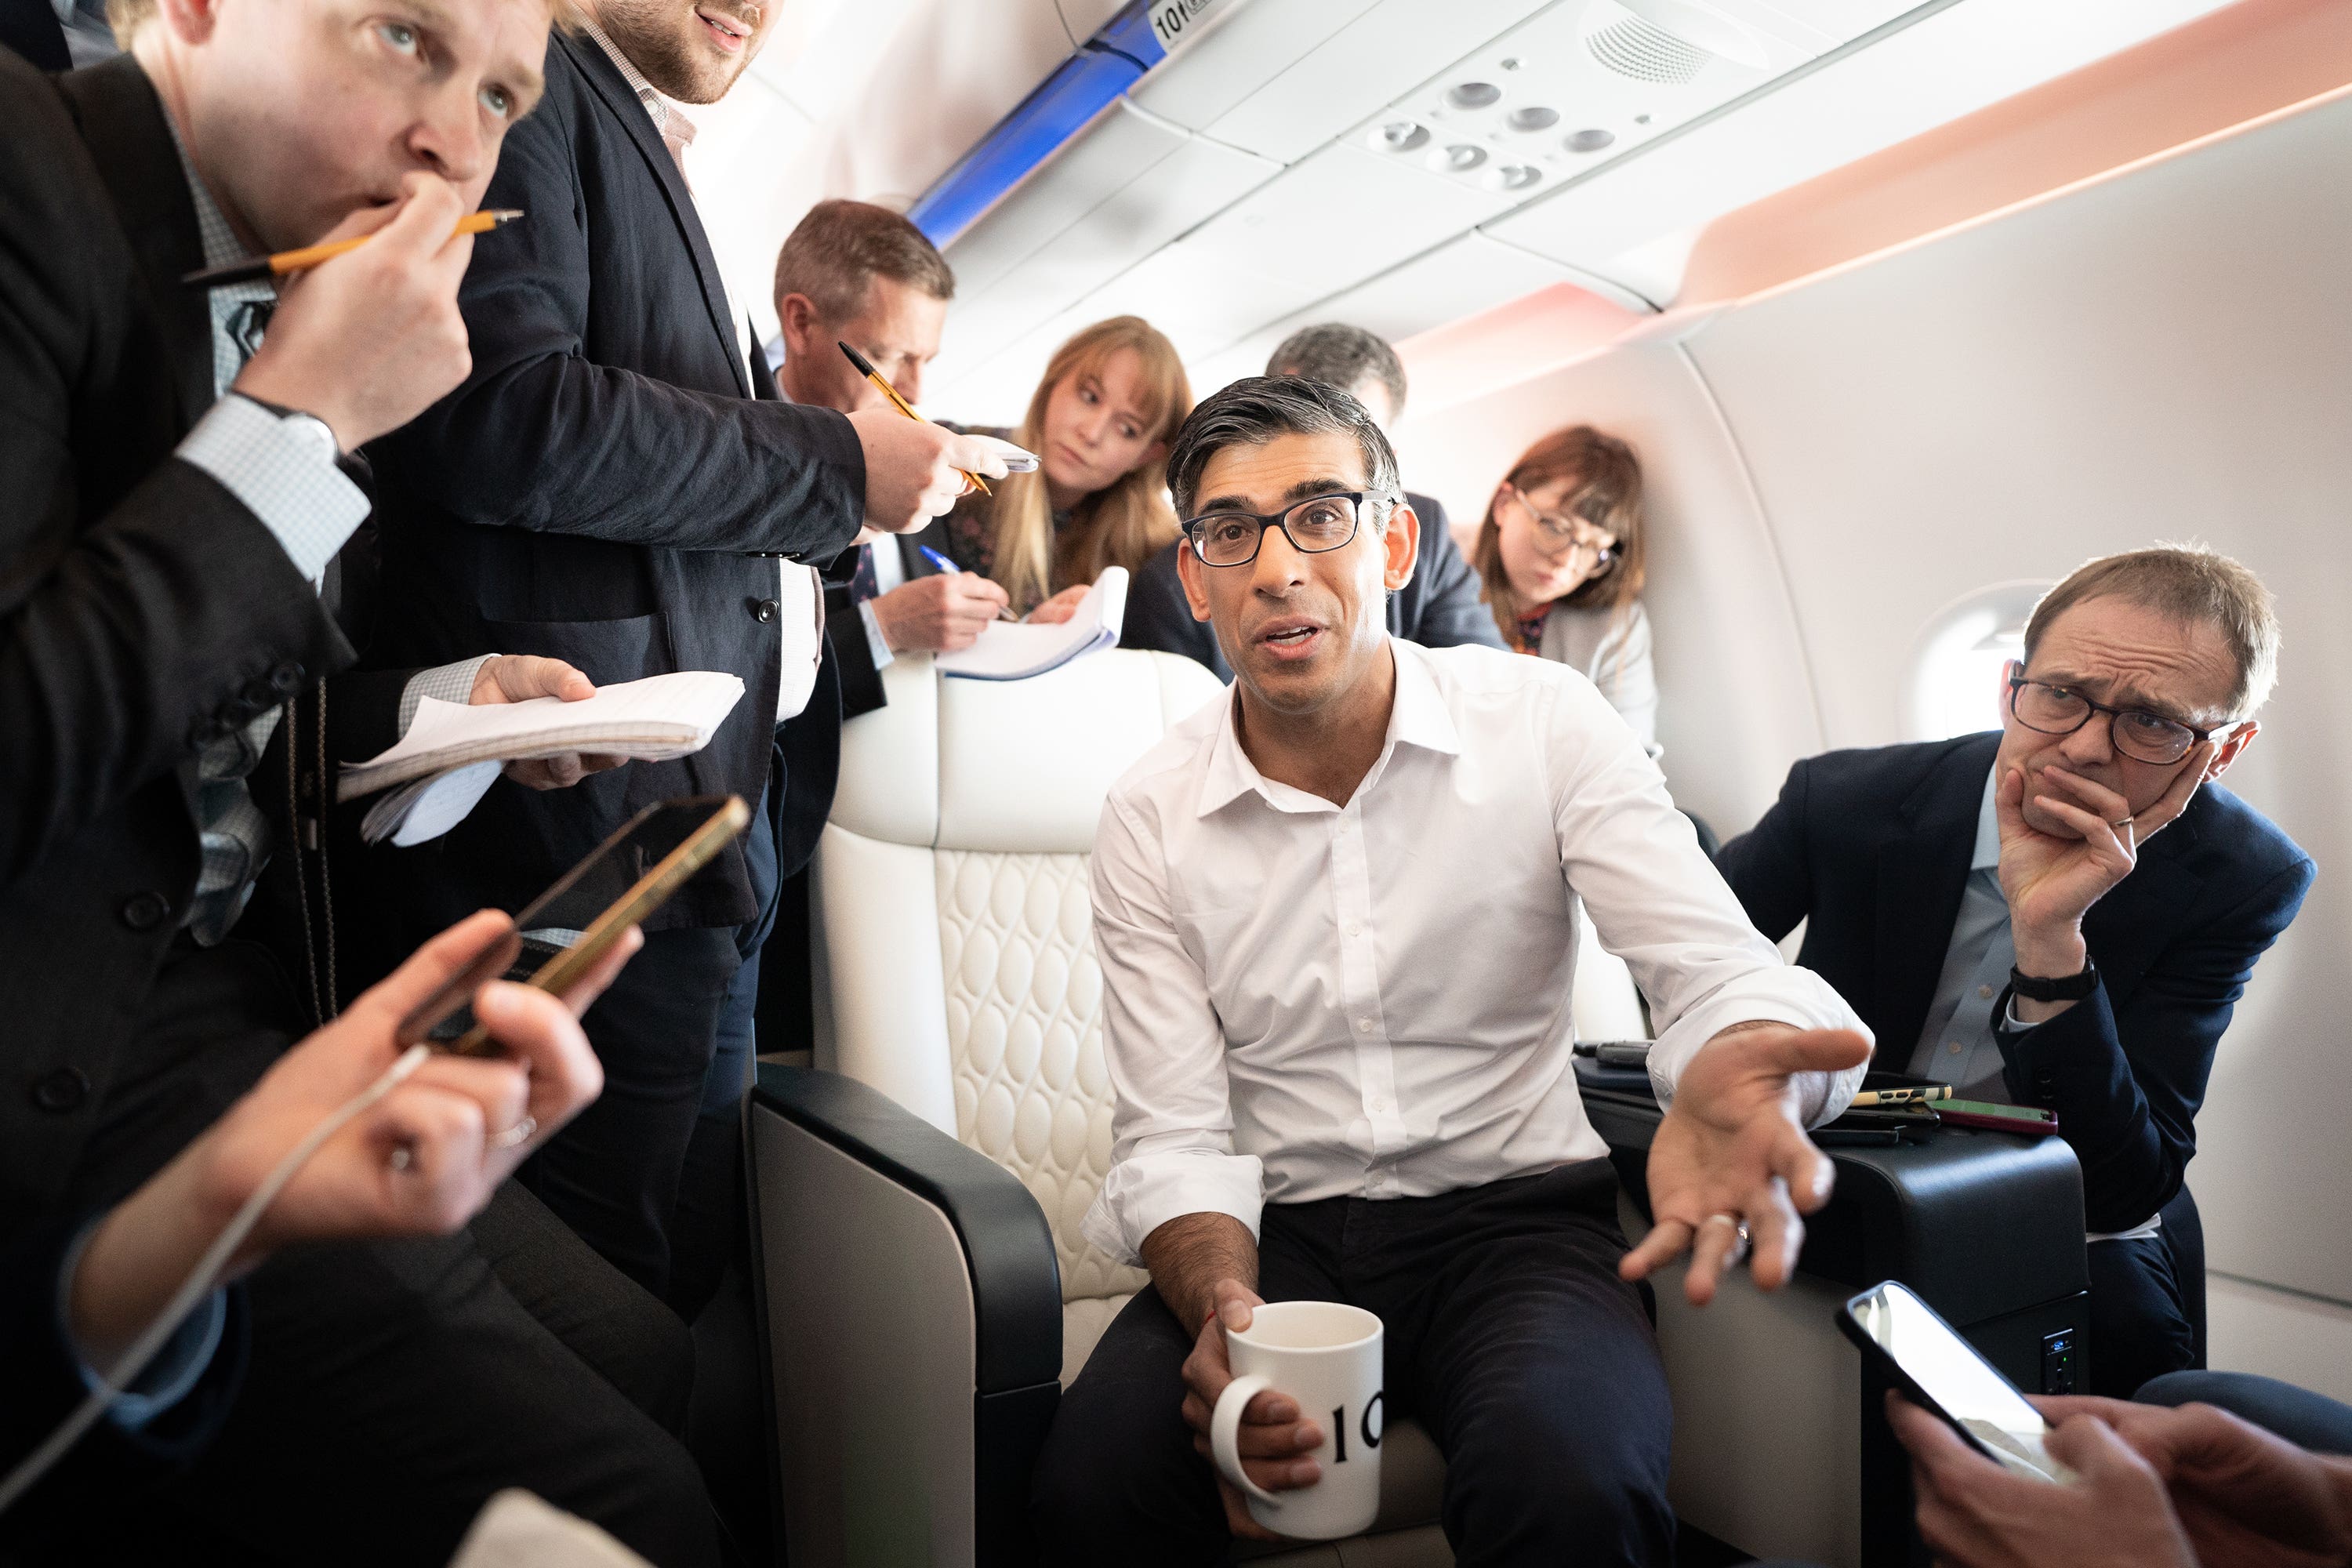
[954, 966]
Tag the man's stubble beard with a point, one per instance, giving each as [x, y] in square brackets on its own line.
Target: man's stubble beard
[649, 33]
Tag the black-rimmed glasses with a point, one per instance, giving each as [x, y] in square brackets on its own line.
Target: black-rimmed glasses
[1313, 526]
[1562, 529]
[2049, 710]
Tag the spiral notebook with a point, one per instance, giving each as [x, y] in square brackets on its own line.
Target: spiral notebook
[1016, 650]
[452, 753]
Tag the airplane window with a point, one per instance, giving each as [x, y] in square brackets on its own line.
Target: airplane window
[1955, 685]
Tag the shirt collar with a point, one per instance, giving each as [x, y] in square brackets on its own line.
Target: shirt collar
[1417, 716]
[221, 246]
[1987, 853]
[663, 114]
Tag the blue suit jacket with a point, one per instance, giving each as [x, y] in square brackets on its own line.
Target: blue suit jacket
[1872, 848]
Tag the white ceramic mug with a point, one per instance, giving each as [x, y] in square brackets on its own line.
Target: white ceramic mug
[1326, 1358]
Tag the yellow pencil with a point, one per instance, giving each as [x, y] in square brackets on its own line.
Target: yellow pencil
[900, 404]
[310, 255]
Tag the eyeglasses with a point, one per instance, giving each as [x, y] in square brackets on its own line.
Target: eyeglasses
[2049, 710]
[1568, 528]
[1313, 526]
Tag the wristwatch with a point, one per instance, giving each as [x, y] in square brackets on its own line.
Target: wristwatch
[2066, 988]
[309, 426]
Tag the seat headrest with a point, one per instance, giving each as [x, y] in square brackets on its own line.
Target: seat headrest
[1018, 766]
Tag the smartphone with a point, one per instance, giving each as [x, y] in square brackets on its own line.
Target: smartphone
[567, 930]
[1938, 1370]
[2027, 1119]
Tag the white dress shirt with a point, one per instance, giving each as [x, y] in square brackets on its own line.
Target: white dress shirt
[1305, 1001]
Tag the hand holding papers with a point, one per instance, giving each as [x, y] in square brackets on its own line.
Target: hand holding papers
[1010, 650]
[452, 753]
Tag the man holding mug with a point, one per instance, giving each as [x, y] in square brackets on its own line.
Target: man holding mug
[1336, 915]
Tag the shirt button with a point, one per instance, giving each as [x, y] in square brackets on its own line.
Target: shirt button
[1378, 1108]
[1985, 992]
[1954, 1047]
[1363, 1025]
[60, 1091]
[764, 609]
[1354, 929]
[145, 911]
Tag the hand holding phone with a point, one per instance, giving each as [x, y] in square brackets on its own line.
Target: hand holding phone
[1943, 1373]
[565, 937]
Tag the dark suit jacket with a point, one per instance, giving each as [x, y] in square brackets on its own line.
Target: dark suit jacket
[40, 1385]
[1872, 846]
[1439, 608]
[604, 489]
[143, 609]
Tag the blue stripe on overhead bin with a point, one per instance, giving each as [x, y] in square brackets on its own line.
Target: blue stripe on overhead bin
[1080, 87]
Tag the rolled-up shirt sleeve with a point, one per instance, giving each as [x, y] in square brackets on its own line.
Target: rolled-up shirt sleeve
[1171, 1119]
[1659, 904]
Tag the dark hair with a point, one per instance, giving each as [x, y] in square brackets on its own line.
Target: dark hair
[1257, 408]
[1338, 354]
[1605, 485]
[2190, 583]
[836, 252]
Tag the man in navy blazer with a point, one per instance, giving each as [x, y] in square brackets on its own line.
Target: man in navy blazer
[2063, 914]
[606, 482]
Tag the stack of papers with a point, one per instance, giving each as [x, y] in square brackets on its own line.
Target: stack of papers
[1009, 650]
[452, 753]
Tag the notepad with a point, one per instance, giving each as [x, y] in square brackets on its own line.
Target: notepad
[452, 751]
[1009, 650]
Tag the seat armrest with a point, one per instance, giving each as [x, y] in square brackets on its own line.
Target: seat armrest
[911, 1328]
[1008, 1247]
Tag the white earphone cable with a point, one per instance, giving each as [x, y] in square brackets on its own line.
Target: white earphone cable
[199, 1282]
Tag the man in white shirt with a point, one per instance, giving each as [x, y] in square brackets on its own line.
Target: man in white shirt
[1336, 914]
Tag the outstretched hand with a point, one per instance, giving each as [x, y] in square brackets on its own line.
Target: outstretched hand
[1731, 1154]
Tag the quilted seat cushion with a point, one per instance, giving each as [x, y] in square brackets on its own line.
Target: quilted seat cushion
[1025, 1040]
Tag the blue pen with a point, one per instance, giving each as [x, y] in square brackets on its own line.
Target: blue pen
[951, 568]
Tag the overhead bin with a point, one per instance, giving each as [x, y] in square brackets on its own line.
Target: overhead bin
[1309, 144]
[1950, 62]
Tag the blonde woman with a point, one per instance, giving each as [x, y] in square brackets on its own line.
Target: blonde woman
[1562, 552]
[1100, 423]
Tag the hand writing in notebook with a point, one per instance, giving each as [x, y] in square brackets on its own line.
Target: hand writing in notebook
[519, 677]
[1058, 608]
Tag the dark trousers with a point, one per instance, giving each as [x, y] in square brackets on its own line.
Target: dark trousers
[393, 1386]
[2307, 1420]
[1507, 1335]
[2140, 1329]
[619, 1174]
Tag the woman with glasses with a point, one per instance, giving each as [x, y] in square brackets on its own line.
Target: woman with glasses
[1100, 424]
[1561, 551]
